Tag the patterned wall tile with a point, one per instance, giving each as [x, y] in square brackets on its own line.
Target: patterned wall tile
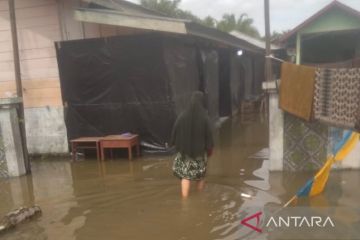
[305, 144]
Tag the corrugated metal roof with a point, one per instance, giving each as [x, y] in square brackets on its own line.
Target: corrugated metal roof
[254, 41]
[160, 23]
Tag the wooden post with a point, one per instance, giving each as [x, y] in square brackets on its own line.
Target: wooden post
[268, 41]
[268, 70]
[19, 92]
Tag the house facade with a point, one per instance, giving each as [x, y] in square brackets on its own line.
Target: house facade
[40, 24]
[330, 38]
[43, 23]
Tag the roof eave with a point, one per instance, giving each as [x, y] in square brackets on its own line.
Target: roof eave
[162, 24]
[318, 14]
[198, 30]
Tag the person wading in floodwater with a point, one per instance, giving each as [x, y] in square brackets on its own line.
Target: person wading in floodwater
[193, 140]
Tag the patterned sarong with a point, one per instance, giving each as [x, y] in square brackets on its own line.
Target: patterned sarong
[185, 167]
[337, 96]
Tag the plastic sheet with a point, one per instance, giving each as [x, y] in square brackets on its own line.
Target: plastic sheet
[225, 108]
[211, 82]
[135, 84]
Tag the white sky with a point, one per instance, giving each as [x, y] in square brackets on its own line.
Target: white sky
[284, 14]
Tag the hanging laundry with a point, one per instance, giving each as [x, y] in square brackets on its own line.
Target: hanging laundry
[337, 96]
[297, 89]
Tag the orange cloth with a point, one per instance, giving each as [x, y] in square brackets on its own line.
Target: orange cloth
[297, 89]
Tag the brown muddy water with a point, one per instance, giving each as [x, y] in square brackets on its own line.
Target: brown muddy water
[140, 199]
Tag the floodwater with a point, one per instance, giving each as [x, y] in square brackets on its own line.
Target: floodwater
[140, 199]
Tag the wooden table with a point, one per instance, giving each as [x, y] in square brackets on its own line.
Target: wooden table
[120, 141]
[86, 143]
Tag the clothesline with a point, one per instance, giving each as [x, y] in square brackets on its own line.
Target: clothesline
[354, 63]
[275, 58]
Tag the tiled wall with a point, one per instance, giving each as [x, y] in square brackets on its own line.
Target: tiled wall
[305, 145]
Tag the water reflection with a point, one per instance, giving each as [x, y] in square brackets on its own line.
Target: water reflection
[15, 192]
[140, 199]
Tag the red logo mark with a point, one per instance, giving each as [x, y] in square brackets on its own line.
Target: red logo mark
[255, 228]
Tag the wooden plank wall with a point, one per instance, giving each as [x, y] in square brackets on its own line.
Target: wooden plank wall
[38, 28]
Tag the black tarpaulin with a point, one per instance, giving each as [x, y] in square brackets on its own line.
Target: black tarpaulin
[237, 82]
[211, 81]
[123, 84]
[224, 83]
[181, 63]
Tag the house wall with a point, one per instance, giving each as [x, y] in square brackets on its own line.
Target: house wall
[332, 21]
[38, 28]
[70, 28]
[40, 24]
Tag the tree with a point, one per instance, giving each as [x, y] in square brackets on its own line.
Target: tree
[188, 15]
[167, 7]
[228, 23]
[243, 24]
[170, 8]
[276, 36]
[209, 22]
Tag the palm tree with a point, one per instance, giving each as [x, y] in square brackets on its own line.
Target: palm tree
[243, 24]
[227, 23]
[209, 22]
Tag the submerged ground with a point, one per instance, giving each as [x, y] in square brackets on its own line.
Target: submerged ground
[140, 199]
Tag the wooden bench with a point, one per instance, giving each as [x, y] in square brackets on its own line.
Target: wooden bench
[85, 143]
[120, 141]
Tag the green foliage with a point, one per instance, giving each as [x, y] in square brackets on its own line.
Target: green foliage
[243, 24]
[167, 7]
[188, 15]
[209, 22]
[228, 23]
[170, 8]
[276, 36]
